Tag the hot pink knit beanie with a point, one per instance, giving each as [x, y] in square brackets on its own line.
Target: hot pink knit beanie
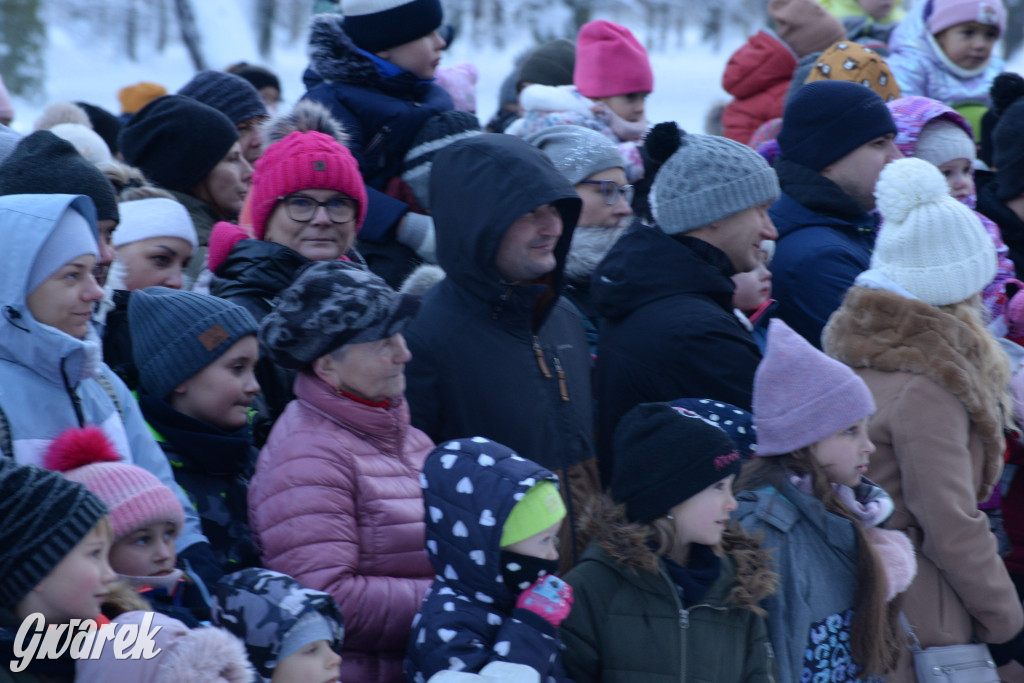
[610, 61]
[948, 13]
[303, 161]
[135, 497]
[801, 395]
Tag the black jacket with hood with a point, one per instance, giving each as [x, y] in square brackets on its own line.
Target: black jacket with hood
[505, 361]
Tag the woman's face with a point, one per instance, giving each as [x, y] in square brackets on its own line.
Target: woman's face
[154, 262]
[225, 186]
[65, 299]
[374, 371]
[318, 238]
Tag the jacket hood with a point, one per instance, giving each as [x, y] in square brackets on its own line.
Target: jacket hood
[27, 223]
[628, 545]
[911, 114]
[762, 62]
[469, 488]
[260, 606]
[489, 182]
[647, 265]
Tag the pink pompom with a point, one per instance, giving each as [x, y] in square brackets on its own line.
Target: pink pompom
[77, 447]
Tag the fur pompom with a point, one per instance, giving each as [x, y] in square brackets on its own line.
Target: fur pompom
[1006, 89]
[907, 184]
[663, 140]
[206, 655]
[62, 112]
[77, 447]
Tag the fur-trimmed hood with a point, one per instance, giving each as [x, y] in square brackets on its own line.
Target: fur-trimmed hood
[884, 331]
[627, 545]
[333, 55]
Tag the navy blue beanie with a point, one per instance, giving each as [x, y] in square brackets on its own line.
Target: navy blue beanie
[376, 25]
[231, 95]
[826, 120]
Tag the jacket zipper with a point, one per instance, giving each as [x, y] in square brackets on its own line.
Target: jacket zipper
[684, 623]
[376, 140]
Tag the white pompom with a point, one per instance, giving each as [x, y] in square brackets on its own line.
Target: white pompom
[906, 184]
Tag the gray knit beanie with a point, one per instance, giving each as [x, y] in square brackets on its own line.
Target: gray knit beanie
[231, 95]
[45, 516]
[709, 178]
[330, 304]
[177, 334]
[577, 152]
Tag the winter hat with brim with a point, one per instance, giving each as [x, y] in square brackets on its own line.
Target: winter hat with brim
[942, 140]
[931, 245]
[303, 160]
[155, 217]
[577, 152]
[176, 334]
[43, 163]
[850, 61]
[331, 304]
[540, 509]
[134, 496]
[804, 25]
[176, 141]
[229, 94]
[826, 120]
[45, 516]
[801, 395]
[72, 236]
[610, 61]
[376, 25]
[435, 134]
[706, 179]
[665, 455]
[948, 13]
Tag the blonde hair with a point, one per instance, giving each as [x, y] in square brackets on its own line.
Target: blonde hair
[130, 184]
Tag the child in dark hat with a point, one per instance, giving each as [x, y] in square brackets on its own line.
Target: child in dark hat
[664, 556]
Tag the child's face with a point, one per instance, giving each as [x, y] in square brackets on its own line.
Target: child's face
[703, 518]
[752, 288]
[543, 545]
[876, 9]
[844, 455]
[65, 299]
[959, 176]
[154, 262]
[315, 663]
[76, 587]
[629, 107]
[968, 45]
[147, 551]
[419, 57]
[220, 393]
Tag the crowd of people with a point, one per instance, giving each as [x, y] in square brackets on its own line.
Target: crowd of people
[366, 391]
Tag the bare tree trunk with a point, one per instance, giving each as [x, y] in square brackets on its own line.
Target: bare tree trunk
[162, 20]
[265, 11]
[190, 33]
[131, 30]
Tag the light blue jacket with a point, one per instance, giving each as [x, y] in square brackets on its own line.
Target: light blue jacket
[44, 371]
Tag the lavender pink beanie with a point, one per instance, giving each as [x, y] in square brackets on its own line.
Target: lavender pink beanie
[610, 61]
[948, 13]
[801, 395]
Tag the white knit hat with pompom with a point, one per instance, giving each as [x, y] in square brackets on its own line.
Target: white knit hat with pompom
[930, 244]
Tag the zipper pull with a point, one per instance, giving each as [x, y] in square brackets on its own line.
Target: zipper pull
[562, 388]
[540, 357]
[684, 618]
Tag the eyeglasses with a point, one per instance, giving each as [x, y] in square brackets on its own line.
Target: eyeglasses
[302, 209]
[611, 191]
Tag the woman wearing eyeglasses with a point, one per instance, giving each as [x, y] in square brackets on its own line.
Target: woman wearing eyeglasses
[308, 202]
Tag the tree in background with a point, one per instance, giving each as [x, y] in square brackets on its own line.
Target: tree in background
[22, 44]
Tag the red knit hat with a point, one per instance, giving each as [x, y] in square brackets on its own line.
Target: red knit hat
[303, 161]
[610, 61]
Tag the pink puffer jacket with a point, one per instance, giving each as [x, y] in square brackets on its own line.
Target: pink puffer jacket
[336, 503]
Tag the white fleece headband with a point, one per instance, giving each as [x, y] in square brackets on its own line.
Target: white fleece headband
[156, 217]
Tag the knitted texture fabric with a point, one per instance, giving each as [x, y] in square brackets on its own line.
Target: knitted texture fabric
[229, 94]
[303, 161]
[176, 141]
[1008, 151]
[106, 125]
[801, 395]
[948, 13]
[85, 140]
[850, 61]
[459, 80]
[376, 25]
[804, 25]
[177, 334]
[45, 516]
[826, 120]
[259, 76]
[134, 496]
[135, 97]
[540, 509]
[932, 245]
[330, 304]
[665, 455]
[550, 63]
[577, 152]
[942, 140]
[435, 134]
[610, 61]
[43, 163]
[709, 178]
[154, 217]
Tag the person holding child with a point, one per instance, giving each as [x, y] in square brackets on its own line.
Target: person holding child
[665, 573]
[942, 405]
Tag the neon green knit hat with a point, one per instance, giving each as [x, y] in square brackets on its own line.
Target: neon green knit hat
[539, 509]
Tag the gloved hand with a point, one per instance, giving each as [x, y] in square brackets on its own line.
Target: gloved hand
[549, 598]
[416, 231]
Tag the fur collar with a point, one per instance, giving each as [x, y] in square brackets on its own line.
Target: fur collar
[627, 544]
[884, 331]
[334, 56]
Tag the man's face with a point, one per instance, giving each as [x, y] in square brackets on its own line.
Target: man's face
[857, 172]
[106, 241]
[527, 250]
[740, 236]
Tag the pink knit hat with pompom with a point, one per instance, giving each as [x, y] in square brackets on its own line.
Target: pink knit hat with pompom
[610, 61]
[304, 160]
